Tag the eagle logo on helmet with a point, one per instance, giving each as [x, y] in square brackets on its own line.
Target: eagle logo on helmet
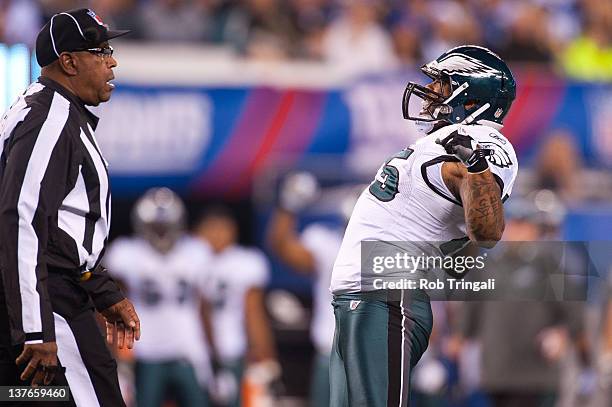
[463, 65]
[499, 158]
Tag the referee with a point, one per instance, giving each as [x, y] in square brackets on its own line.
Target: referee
[54, 222]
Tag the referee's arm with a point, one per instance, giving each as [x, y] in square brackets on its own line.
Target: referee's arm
[32, 186]
[102, 289]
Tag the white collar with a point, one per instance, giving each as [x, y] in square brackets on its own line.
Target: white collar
[490, 123]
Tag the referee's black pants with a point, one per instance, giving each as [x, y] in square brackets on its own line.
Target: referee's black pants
[90, 369]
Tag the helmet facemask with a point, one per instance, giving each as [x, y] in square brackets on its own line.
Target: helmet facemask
[432, 108]
[159, 218]
[161, 235]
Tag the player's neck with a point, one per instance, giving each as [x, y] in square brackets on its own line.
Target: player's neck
[220, 249]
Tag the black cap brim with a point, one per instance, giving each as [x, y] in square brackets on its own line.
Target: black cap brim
[110, 34]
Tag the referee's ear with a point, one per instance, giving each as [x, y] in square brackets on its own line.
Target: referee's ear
[67, 63]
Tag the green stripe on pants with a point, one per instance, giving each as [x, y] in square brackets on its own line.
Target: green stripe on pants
[376, 344]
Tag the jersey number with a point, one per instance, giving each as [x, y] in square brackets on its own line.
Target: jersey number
[152, 294]
[386, 184]
[220, 297]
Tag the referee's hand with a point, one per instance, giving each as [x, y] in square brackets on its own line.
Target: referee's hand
[41, 359]
[122, 322]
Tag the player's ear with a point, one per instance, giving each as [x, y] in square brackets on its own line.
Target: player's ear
[68, 63]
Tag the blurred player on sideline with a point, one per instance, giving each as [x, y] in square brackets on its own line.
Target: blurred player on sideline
[241, 332]
[163, 270]
[525, 343]
[434, 197]
[312, 252]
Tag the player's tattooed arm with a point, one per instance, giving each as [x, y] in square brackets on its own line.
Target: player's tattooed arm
[484, 213]
[481, 199]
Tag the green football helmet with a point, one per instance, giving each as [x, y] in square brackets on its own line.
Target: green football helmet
[476, 77]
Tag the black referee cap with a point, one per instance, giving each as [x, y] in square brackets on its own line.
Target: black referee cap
[72, 30]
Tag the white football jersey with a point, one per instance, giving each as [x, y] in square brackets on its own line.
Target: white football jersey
[234, 271]
[323, 243]
[166, 291]
[409, 202]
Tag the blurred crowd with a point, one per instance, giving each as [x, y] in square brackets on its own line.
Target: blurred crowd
[573, 35]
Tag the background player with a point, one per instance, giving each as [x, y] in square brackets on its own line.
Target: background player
[448, 185]
[313, 251]
[530, 368]
[241, 332]
[163, 270]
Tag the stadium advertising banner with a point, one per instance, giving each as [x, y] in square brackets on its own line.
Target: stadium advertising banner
[216, 139]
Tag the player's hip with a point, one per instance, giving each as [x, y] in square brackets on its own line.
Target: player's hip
[369, 313]
[377, 342]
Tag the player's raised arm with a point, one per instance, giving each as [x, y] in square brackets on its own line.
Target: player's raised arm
[284, 242]
[297, 192]
[473, 182]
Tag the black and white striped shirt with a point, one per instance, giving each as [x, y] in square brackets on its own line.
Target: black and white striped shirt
[54, 201]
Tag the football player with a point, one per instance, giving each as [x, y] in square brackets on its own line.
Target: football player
[241, 331]
[163, 270]
[447, 187]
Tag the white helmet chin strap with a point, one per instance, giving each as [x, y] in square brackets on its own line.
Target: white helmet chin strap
[444, 106]
[444, 109]
[457, 91]
[477, 113]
